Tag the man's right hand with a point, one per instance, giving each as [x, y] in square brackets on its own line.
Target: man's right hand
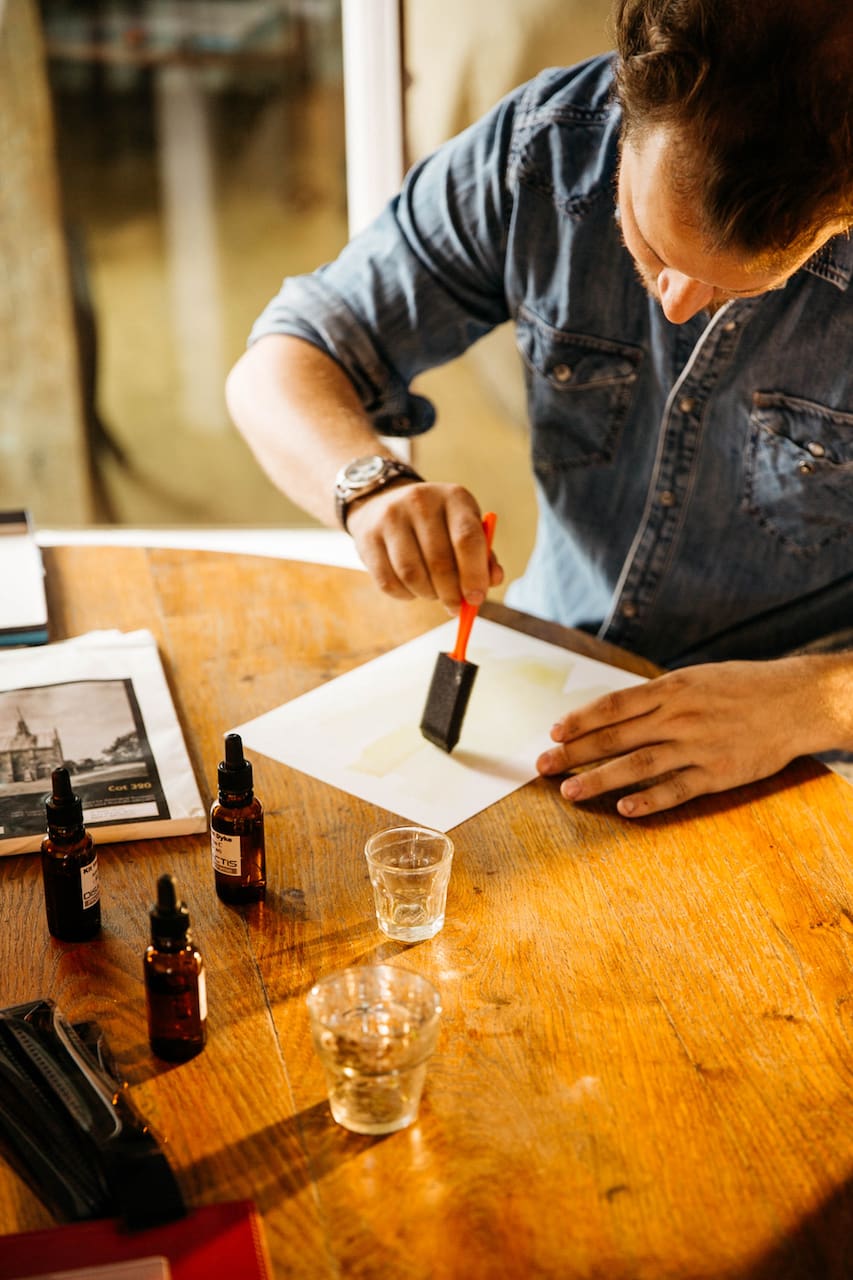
[303, 420]
[425, 539]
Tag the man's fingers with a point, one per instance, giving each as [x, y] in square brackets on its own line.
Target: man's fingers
[474, 564]
[378, 564]
[454, 548]
[645, 765]
[667, 794]
[610, 709]
[603, 744]
[426, 540]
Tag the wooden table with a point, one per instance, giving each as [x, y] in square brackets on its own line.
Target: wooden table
[645, 1068]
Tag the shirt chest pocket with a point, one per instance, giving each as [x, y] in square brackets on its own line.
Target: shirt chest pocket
[799, 471]
[580, 390]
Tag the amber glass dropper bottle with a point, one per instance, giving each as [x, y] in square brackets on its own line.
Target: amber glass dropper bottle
[237, 830]
[174, 980]
[69, 866]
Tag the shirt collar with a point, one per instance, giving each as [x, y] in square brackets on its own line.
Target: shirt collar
[833, 260]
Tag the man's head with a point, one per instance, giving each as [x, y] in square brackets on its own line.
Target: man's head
[664, 237]
[755, 101]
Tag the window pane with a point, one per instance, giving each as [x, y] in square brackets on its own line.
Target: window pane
[200, 149]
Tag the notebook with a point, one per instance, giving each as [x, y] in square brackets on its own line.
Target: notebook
[216, 1240]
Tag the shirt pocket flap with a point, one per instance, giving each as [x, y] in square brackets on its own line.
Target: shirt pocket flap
[799, 471]
[574, 361]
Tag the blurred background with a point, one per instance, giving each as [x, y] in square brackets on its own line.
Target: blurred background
[166, 163]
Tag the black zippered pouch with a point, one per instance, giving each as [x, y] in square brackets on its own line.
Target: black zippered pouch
[68, 1125]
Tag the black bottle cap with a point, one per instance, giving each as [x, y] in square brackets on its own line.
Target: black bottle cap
[63, 807]
[169, 916]
[235, 771]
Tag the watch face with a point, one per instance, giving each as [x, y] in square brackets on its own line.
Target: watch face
[363, 470]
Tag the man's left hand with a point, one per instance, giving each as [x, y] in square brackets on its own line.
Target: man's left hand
[703, 729]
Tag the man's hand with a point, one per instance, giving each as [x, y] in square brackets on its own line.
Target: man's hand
[703, 729]
[425, 540]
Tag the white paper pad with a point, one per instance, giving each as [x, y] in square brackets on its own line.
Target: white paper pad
[153, 1268]
[23, 606]
[361, 731]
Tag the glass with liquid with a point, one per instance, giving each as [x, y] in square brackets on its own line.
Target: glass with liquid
[374, 1028]
[409, 869]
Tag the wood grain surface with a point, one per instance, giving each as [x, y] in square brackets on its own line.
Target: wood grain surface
[645, 1066]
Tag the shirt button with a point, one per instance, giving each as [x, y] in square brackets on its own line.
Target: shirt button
[629, 610]
[806, 468]
[666, 498]
[730, 326]
[687, 404]
[816, 449]
[562, 372]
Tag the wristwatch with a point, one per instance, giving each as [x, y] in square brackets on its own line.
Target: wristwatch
[366, 475]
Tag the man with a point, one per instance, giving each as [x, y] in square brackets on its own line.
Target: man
[668, 230]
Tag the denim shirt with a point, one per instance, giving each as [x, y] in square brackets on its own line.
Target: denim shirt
[694, 481]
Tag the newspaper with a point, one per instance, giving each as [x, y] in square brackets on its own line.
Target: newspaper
[99, 705]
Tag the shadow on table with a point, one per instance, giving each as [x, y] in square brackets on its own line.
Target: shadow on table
[271, 1164]
[819, 1248]
[325, 950]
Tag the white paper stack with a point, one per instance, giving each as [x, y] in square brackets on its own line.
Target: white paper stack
[23, 607]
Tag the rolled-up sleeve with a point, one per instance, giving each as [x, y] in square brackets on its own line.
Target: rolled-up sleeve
[422, 283]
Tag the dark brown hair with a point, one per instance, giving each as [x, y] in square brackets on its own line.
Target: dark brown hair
[759, 97]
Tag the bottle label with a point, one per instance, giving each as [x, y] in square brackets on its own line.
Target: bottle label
[90, 884]
[225, 852]
[202, 996]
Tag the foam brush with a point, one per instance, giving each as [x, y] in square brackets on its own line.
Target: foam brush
[453, 677]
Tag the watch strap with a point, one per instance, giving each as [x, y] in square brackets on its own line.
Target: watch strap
[393, 469]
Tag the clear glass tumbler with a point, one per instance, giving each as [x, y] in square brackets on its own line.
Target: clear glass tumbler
[374, 1027]
[409, 869]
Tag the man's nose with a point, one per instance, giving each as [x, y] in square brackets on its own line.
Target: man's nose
[682, 297]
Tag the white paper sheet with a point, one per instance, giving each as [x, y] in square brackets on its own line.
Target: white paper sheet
[360, 732]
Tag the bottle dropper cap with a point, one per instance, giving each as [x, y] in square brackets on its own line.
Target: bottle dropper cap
[235, 771]
[169, 917]
[63, 808]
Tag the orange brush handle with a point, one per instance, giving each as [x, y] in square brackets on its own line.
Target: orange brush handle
[468, 612]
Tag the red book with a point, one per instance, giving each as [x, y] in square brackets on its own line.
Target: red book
[216, 1240]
